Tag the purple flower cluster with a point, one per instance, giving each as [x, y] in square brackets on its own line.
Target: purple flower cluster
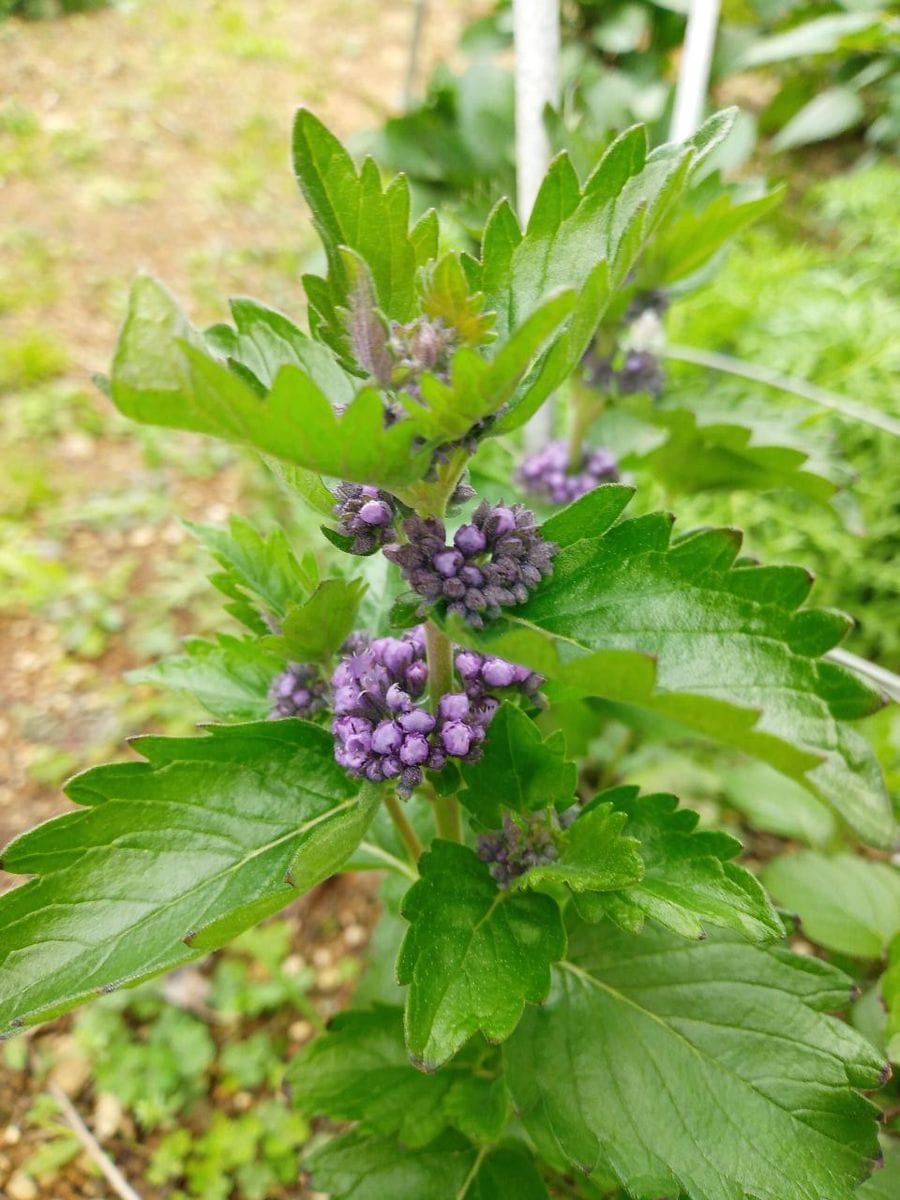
[382, 732]
[547, 472]
[298, 691]
[523, 842]
[494, 562]
[366, 515]
[481, 674]
[640, 372]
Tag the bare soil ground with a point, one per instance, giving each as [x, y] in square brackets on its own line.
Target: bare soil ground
[151, 137]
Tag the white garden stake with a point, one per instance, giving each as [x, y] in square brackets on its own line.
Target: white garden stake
[693, 73]
[536, 36]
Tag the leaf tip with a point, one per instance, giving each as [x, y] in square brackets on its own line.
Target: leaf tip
[885, 1074]
[421, 1064]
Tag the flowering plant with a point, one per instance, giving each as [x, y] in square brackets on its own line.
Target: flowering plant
[591, 993]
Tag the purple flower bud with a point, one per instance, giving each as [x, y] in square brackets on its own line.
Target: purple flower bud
[454, 706]
[469, 540]
[415, 750]
[375, 512]
[387, 738]
[496, 672]
[456, 738]
[417, 720]
[396, 699]
[448, 562]
[503, 520]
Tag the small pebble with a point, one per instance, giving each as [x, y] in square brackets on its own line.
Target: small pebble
[301, 1031]
[20, 1187]
[354, 936]
[322, 956]
[329, 979]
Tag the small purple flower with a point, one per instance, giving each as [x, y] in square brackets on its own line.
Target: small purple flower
[298, 691]
[523, 842]
[549, 474]
[364, 514]
[497, 559]
[640, 372]
[481, 673]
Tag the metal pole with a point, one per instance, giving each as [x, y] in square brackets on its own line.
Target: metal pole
[536, 38]
[693, 72]
[415, 47]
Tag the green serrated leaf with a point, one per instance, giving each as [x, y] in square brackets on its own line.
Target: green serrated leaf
[230, 677]
[172, 857]
[359, 1071]
[595, 855]
[687, 880]
[261, 565]
[314, 630]
[846, 904]
[885, 1183]
[518, 771]
[674, 627]
[357, 1167]
[710, 1069]
[446, 297]
[163, 375]
[352, 209]
[473, 955]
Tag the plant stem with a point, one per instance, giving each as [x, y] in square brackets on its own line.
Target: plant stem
[439, 653]
[401, 822]
[585, 409]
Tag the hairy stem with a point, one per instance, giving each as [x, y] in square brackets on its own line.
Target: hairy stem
[402, 825]
[585, 408]
[439, 653]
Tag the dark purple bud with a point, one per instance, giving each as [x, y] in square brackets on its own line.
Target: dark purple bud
[469, 540]
[375, 512]
[448, 562]
[497, 672]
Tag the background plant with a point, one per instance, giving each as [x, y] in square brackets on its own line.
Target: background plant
[620, 860]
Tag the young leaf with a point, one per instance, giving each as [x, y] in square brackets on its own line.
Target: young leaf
[261, 567]
[230, 677]
[358, 1167]
[847, 904]
[472, 955]
[518, 771]
[314, 630]
[359, 1071]
[595, 856]
[170, 858]
[705, 1068]
[163, 375]
[352, 209]
[687, 880]
[724, 649]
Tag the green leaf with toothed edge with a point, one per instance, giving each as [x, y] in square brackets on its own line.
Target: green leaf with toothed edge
[359, 1167]
[472, 956]
[359, 1071]
[707, 1068]
[164, 375]
[230, 677]
[518, 770]
[170, 858]
[686, 879]
[314, 630]
[672, 625]
[258, 567]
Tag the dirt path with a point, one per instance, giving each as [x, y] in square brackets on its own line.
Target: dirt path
[152, 137]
